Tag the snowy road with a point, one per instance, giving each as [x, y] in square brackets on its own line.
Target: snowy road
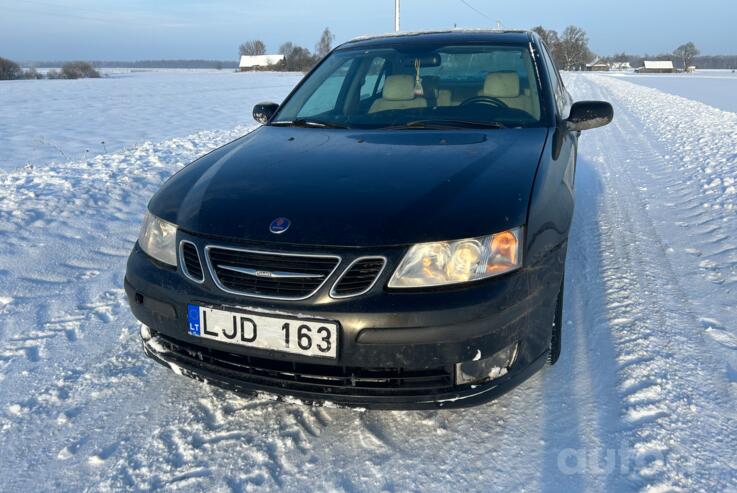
[644, 396]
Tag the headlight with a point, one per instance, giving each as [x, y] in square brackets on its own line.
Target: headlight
[451, 262]
[158, 239]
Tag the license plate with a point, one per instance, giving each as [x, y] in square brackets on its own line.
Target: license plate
[291, 335]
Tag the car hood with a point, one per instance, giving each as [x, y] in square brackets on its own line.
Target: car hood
[357, 188]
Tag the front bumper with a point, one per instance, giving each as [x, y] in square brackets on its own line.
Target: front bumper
[404, 337]
[202, 366]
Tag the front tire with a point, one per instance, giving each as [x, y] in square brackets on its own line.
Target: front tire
[557, 333]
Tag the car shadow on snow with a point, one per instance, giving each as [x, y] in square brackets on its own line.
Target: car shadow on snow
[582, 404]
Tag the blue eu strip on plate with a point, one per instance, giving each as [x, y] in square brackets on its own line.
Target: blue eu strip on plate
[193, 315]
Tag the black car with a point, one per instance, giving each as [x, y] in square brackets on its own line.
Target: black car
[393, 236]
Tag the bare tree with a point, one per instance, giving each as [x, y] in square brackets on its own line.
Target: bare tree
[686, 53]
[286, 49]
[620, 57]
[252, 48]
[78, 70]
[574, 48]
[552, 41]
[549, 37]
[32, 73]
[297, 58]
[9, 70]
[325, 44]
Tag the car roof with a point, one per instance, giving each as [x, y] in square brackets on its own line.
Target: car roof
[515, 37]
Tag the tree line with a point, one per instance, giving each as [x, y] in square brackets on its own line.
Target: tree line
[296, 58]
[682, 58]
[570, 51]
[145, 64]
[10, 70]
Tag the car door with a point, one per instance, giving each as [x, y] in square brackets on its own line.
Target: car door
[552, 200]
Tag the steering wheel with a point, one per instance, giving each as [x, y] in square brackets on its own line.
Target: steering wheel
[489, 100]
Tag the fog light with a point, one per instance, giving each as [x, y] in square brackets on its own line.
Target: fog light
[145, 333]
[485, 369]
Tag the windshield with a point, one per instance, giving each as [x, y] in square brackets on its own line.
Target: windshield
[425, 86]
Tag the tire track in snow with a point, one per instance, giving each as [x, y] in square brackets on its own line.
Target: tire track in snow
[697, 173]
[691, 188]
[581, 414]
[673, 398]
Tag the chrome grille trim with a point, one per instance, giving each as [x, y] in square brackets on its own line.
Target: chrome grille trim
[271, 274]
[183, 264]
[350, 266]
[222, 287]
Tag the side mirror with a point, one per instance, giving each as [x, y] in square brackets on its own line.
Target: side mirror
[262, 112]
[586, 115]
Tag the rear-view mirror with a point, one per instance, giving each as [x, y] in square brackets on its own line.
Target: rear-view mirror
[586, 115]
[262, 112]
[425, 60]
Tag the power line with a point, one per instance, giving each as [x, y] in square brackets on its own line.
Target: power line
[464, 2]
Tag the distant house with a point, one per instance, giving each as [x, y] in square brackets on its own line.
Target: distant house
[657, 67]
[621, 66]
[597, 66]
[259, 62]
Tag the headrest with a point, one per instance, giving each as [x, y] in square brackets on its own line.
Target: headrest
[501, 85]
[399, 88]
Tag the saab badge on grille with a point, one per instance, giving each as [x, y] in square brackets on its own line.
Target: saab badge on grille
[279, 225]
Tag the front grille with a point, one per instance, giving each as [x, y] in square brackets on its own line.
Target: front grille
[359, 277]
[324, 379]
[269, 274]
[191, 261]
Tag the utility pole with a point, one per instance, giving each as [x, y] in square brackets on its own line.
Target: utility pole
[396, 16]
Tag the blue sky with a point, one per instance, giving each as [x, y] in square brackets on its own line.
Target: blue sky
[140, 29]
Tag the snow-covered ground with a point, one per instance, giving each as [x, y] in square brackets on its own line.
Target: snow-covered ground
[643, 398]
[72, 120]
[717, 88]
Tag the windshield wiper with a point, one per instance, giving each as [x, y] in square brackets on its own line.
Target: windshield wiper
[305, 123]
[444, 124]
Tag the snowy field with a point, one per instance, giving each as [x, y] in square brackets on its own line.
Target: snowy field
[72, 120]
[717, 88]
[643, 398]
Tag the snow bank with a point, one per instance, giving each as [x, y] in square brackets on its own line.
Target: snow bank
[73, 120]
[717, 88]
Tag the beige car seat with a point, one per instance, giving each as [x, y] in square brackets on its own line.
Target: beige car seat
[398, 94]
[505, 87]
[445, 97]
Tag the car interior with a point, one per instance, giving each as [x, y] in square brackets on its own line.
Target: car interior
[399, 93]
[387, 88]
[401, 90]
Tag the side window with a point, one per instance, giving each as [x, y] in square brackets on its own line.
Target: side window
[558, 88]
[325, 97]
[371, 83]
